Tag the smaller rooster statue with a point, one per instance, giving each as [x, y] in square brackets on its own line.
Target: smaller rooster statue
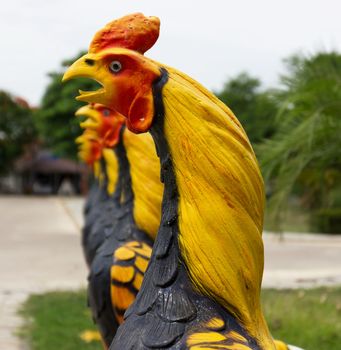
[120, 241]
[103, 199]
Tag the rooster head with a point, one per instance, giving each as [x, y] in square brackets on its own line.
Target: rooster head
[116, 61]
[90, 150]
[105, 122]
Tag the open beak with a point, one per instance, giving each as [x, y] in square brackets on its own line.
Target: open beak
[86, 67]
[132, 97]
[93, 120]
[89, 124]
[80, 140]
[86, 137]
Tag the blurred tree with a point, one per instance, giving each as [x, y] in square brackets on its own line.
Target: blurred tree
[255, 109]
[304, 154]
[55, 119]
[16, 129]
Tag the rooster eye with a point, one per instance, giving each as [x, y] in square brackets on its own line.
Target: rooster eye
[115, 66]
[106, 113]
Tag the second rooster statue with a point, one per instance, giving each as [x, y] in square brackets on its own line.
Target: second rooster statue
[202, 287]
[104, 197]
[120, 247]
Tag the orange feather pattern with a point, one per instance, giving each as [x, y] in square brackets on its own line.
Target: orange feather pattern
[126, 278]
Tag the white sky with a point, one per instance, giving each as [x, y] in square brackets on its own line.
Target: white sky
[210, 40]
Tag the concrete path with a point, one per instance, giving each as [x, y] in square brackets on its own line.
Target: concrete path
[302, 260]
[40, 251]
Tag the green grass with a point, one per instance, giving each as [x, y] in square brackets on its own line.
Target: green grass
[310, 319]
[55, 320]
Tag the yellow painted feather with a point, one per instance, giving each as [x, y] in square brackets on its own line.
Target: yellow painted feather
[112, 168]
[207, 337]
[215, 323]
[280, 345]
[97, 170]
[121, 297]
[215, 340]
[145, 176]
[135, 256]
[123, 253]
[221, 200]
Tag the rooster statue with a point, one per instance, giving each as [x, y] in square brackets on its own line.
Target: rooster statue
[119, 263]
[103, 199]
[202, 286]
[90, 153]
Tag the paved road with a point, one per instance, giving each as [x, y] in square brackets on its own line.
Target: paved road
[302, 260]
[40, 251]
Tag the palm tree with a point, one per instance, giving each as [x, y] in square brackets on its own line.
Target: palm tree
[252, 105]
[304, 154]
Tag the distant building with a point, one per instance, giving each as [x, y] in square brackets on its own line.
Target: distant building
[39, 171]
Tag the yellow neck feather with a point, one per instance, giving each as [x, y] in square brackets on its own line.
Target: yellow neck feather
[221, 200]
[145, 177]
[97, 170]
[112, 169]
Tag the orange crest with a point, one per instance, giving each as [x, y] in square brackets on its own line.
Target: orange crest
[134, 32]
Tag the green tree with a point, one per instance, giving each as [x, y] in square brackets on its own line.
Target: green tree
[255, 108]
[55, 119]
[16, 129]
[304, 154]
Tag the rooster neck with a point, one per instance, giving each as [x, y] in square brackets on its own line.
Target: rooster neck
[103, 185]
[167, 308]
[123, 192]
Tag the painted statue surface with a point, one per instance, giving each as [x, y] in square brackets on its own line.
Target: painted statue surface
[121, 220]
[201, 289]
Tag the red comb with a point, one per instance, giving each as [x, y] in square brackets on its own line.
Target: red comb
[134, 32]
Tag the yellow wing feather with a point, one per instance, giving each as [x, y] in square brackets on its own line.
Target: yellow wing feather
[215, 323]
[215, 340]
[130, 263]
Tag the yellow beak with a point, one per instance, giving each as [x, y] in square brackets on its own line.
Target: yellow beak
[93, 121]
[81, 139]
[84, 111]
[88, 66]
[87, 136]
[80, 68]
